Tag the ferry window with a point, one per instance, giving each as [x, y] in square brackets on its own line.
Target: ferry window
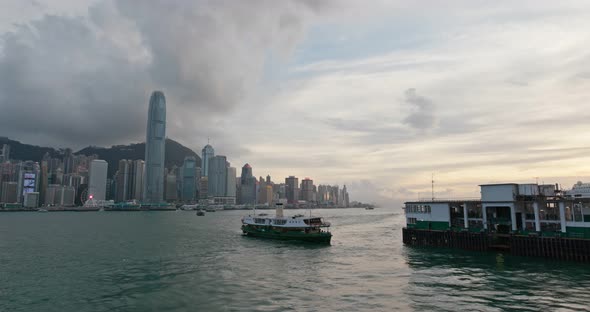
[411, 220]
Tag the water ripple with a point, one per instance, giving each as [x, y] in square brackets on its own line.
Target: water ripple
[160, 261]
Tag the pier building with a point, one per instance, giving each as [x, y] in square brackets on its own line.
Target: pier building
[504, 213]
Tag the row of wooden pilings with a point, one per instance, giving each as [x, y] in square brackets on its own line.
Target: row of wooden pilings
[551, 247]
[548, 247]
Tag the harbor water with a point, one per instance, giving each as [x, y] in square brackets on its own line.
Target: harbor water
[177, 261]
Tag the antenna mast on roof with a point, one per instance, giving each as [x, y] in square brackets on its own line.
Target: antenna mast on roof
[432, 186]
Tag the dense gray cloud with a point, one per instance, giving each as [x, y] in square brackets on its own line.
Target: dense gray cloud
[86, 80]
[422, 115]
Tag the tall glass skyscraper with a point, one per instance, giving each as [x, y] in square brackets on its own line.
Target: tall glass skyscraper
[155, 143]
[207, 153]
[189, 175]
[247, 186]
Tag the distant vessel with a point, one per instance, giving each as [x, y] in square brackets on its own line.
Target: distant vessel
[42, 210]
[369, 208]
[298, 227]
[200, 213]
[189, 207]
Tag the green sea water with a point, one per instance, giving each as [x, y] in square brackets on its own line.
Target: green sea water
[177, 261]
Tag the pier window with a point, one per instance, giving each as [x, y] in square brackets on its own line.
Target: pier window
[475, 212]
[549, 212]
[569, 213]
[578, 215]
[529, 211]
[418, 208]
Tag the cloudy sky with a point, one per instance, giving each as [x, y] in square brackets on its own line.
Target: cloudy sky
[375, 94]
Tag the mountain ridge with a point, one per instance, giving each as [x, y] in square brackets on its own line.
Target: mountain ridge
[174, 152]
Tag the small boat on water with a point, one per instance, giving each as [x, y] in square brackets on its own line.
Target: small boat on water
[200, 212]
[189, 207]
[369, 208]
[300, 228]
[42, 210]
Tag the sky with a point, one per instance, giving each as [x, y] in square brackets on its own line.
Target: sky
[378, 95]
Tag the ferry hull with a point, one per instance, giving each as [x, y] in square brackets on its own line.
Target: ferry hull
[319, 238]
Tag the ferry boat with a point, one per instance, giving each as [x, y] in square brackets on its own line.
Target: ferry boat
[298, 227]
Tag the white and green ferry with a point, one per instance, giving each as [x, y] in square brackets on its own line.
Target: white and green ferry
[298, 227]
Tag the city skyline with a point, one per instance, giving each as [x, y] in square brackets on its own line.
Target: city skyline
[69, 180]
[471, 92]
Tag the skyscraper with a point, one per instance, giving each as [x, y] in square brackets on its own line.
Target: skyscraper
[189, 173]
[138, 171]
[247, 186]
[9, 192]
[217, 176]
[207, 153]
[307, 190]
[154, 149]
[264, 191]
[122, 179]
[171, 190]
[292, 189]
[204, 188]
[345, 198]
[28, 178]
[97, 180]
[231, 182]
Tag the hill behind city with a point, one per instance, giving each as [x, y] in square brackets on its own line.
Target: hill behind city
[175, 152]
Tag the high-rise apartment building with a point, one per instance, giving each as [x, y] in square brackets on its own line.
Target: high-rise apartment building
[68, 161]
[123, 181]
[9, 192]
[231, 182]
[137, 179]
[307, 190]
[204, 188]
[265, 194]
[170, 186]
[292, 189]
[155, 145]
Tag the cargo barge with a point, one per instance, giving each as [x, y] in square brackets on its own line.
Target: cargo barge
[519, 219]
